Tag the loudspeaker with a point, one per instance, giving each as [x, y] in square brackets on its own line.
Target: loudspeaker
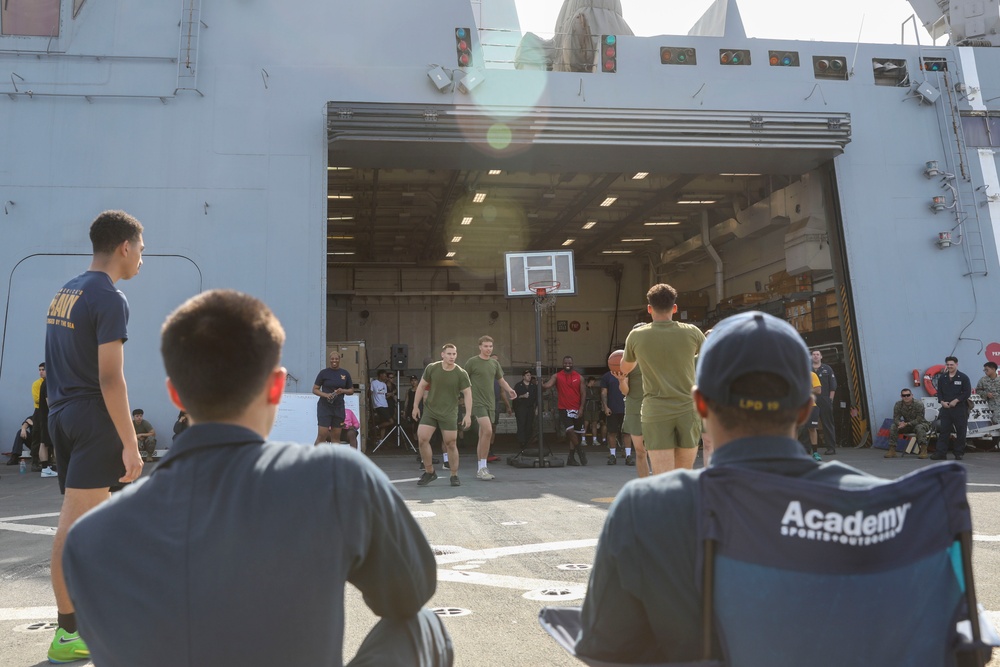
[400, 357]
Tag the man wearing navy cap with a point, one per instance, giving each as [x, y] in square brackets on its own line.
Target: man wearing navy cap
[754, 390]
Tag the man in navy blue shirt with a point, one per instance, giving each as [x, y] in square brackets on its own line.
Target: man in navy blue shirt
[954, 388]
[253, 542]
[90, 424]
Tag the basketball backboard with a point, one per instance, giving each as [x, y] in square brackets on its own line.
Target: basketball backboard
[525, 268]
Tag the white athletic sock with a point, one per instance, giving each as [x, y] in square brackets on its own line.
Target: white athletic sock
[612, 451]
[482, 463]
[628, 451]
[444, 458]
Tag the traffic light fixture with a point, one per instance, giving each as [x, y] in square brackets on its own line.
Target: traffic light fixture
[734, 57]
[678, 55]
[609, 53]
[783, 58]
[830, 67]
[463, 46]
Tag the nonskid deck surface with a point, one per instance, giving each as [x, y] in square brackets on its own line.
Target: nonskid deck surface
[505, 547]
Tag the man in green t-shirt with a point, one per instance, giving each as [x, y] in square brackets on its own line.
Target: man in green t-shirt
[483, 370]
[442, 382]
[665, 352]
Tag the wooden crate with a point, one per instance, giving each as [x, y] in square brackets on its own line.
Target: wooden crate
[687, 299]
[828, 298]
[691, 314]
[797, 309]
[745, 299]
[802, 323]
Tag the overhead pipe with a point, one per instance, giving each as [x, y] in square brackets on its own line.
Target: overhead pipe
[707, 242]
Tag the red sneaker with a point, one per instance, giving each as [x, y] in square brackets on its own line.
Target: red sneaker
[492, 458]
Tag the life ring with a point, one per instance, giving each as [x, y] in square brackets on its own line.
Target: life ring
[916, 377]
[929, 376]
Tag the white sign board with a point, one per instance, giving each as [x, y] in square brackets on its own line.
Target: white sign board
[296, 419]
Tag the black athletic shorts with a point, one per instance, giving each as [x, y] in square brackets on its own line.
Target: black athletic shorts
[329, 415]
[87, 446]
[614, 421]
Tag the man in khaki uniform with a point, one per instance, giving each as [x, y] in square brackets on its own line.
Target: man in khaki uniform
[666, 352]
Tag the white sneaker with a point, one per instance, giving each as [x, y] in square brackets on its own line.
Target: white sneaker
[49, 472]
[484, 474]
[446, 465]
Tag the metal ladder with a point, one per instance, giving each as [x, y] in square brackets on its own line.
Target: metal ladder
[967, 216]
[190, 35]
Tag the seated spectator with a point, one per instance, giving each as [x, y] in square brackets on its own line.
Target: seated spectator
[181, 424]
[908, 417]
[223, 492]
[22, 440]
[754, 392]
[351, 426]
[146, 434]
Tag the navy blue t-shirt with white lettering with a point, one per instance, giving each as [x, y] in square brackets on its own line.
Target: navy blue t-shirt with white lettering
[87, 312]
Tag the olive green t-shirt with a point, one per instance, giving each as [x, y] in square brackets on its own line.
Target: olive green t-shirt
[666, 352]
[482, 373]
[441, 399]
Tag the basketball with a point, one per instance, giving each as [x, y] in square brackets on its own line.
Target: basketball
[615, 361]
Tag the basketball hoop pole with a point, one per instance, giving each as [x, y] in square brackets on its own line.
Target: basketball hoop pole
[538, 375]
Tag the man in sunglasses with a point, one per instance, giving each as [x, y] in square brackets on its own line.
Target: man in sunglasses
[908, 417]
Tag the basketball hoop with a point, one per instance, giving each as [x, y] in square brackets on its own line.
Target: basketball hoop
[543, 289]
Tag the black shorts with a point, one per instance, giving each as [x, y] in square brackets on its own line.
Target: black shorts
[813, 418]
[87, 445]
[383, 414]
[329, 415]
[567, 423]
[614, 421]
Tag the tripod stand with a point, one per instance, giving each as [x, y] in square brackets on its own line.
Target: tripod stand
[398, 428]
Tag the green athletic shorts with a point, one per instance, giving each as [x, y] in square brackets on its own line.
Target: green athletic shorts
[445, 424]
[632, 425]
[682, 431]
[483, 411]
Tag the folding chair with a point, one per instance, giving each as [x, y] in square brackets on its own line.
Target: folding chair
[794, 572]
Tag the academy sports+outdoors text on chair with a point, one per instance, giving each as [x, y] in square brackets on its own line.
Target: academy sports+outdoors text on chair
[795, 572]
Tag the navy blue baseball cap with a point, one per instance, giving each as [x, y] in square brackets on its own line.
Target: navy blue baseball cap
[754, 342]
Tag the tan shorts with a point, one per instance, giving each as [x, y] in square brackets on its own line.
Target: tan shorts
[682, 431]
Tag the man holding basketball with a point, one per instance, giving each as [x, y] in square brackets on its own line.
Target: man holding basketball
[666, 352]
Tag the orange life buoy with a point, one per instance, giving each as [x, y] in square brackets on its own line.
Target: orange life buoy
[929, 376]
[916, 377]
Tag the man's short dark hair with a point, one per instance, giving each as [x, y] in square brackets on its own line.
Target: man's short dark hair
[661, 297]
[112, 228]
[41, 366]
[947, 359]
[752, 422]
[990, 364]
[137, 411]
[218, 349]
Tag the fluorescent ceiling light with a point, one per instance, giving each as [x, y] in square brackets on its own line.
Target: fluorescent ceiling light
[568, 241]
[739, 174]
[456, 239]
[340, 196]
[589, 224]
[341, 218]
[450, 254]
[340, 238]
[640, 175]
[495, 172]
[616, 252]
[467, 220]
[479, 198]
[341, 253]
[698, 201]
[609, 201]
[669, 223]
[636, 240]
[338, 168]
